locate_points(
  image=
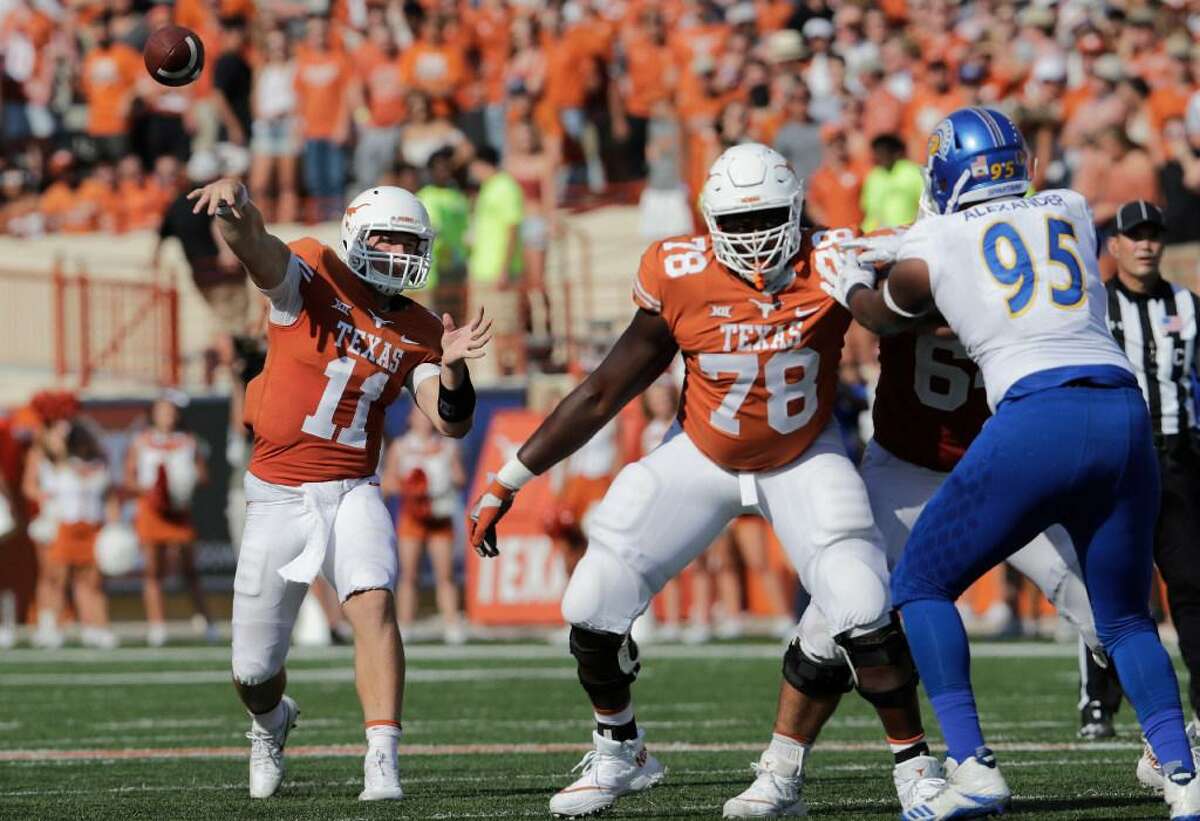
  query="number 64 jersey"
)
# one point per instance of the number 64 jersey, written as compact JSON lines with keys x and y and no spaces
{"x":1017,"y":281}
{"x":334,"y":364}
{"x":760,"y":370}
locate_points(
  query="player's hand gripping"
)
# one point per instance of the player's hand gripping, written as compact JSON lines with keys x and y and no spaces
{"x":845,"y":274}
{"x":225,"y":196}
{"x":485,"y":513}
{"x":880,"y":249}
{"x":467,"y":342}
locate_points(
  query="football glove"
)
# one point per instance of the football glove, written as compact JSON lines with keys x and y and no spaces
{"x":880,"y":249}
{"x":844,"y":275}
{"x":485,"y":513}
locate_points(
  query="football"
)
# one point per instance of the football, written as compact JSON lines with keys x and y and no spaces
{"x":174,"y":55}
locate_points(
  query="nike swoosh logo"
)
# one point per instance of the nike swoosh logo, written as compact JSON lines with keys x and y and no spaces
{"x":801,"y":313}
{"x":408,"y":341}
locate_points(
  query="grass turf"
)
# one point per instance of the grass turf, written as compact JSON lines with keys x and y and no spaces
{"x":513,"y":698}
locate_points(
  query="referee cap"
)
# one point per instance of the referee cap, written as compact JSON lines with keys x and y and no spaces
{"x":1138,"y":212}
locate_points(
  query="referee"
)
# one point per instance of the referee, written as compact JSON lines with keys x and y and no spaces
{"x":1155,"y":322}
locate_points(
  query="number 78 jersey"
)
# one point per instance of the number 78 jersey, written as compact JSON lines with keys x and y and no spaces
{"x":1018,"y":282}
{"x":334,"y":364}
{"x":760,"y":370}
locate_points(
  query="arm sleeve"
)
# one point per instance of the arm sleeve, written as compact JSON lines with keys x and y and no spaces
{"x":426,"y":370}
{"x":286,"y":300}
{"x":647,"y":285}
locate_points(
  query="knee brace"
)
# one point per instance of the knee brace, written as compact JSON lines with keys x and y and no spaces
{"x":814,"y":679}
{"x":883,"y":666}
{"x":608,"y":664}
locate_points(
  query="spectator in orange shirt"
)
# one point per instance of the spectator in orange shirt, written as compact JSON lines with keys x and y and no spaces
{"x":833,"y":191}
{"x":490,"y":29}
{"x":930,"y":103}
{"x":109,"y":81}
{"x":380,"y":71}
{"x":325,"y":87}
{"x":883,"y":113}
{"x":433,"y":65}
{"x":98,"y":195}
{"x":645,"y":74}
{"x":140,"y":200}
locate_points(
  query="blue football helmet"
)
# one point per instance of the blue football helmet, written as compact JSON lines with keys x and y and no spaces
{"x":975,"y":154}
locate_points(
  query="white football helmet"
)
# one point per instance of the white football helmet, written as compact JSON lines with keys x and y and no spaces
{"x":391,"y":209}
{"x":753,"y":177}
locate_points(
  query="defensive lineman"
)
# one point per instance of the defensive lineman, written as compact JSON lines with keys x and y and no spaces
{"x":761,"y":345}
{"x":1017,"y":281}
{"x":343,"y":342}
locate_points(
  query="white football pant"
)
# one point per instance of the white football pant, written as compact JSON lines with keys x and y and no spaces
{"x":360,"y":554}
{"x":899,"y":491}
{"x":663,"y":511}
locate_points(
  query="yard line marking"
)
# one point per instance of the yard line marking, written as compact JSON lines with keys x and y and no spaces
{"x":342,"y":750}
{"x":322,"y":674}
{"x":488,"y":651}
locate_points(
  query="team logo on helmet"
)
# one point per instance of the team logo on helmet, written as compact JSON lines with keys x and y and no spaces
{"x":941,"y":140}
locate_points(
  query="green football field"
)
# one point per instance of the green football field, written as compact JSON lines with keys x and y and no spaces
{"x":492,"y":730}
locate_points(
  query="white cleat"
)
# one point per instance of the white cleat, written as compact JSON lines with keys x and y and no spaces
{"x":99,"y":638}
{"x":775,"y":792}
{"x":973,"y":789}
{"x":1182,"y":792}
{"x":918,"y":779}
{"x":1149,"y":770}
{"x":613,"y":769}
{"x":156,"y":634}
{"x":381,"y":777}
{"x":266,"y":753}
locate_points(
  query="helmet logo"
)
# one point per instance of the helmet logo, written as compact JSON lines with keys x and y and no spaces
{"x":352,"y":209}
{"x":751,"y":199}
{"x":941,"y":141}
{"x":979,"y":167}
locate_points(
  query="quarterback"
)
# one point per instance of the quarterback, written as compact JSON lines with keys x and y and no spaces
{"x":761,"y":344}
{"x":343,"y":341}
{"x":1017,"y":280}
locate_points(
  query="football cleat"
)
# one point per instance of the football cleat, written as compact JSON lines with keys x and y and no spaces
{"x":973,"y":789}
{"x":775,"y":792}
{"x":266,"y":752}
{"x":918,"y":779}
{"x":1149,"y":770}
{"x":1182,"y":792}
{"x":1095,"y":722}
{"x":611,"y":770}
{"x":381,"y":777}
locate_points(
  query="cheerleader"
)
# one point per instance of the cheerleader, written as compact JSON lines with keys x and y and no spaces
{"x":426,"y":472}
{"x":163,"y":466}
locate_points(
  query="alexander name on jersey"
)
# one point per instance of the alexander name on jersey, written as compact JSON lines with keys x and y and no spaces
{"x":1036,"y":201}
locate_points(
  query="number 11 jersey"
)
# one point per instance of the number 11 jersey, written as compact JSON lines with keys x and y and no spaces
{"x":334,"y":364}
{"x":760,"y":370}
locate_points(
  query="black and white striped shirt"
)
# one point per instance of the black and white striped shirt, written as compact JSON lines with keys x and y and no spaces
{"x":1158,"y":332}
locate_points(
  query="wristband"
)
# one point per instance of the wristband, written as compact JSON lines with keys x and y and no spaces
{"x":893,"y":307}
{"x":456,"y":404}
{"x":514,"y":474}
{"x":240,"y":197}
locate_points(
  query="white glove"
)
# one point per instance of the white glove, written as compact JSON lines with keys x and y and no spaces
{"x":845,"y":273}
{"x":877,"y":250}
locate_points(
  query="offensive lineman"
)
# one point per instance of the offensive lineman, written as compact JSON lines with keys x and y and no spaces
{"x":343,"y":341}
{"x":1017,"y":281}
{"x":761,"y":345}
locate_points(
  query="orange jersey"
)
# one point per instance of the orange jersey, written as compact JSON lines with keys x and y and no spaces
{"x":317,"y":408}
{"x":760,"y":371}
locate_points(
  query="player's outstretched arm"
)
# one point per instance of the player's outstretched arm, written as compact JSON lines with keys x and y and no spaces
{"x":241,"y":224}
{"x":902,"y":302}
{"x":636,"y":360}
{"x":449,"y":401}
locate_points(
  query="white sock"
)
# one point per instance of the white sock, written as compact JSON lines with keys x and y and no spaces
{"x":788,"y":749}
{"x":384,"y":736}
{"x":271,"y":720}
{"x":615,"y":719}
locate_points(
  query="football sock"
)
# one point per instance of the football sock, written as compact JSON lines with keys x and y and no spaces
{"x":939,"y":646}
{"x":789,"y":749}
{"x":619,"y":726}
{"x":272,"y":719}
{"x":908,"y":748}
{"x":383,"y":734}
{"x":1150,"y":684}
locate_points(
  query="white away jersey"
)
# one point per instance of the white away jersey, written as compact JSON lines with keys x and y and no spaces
{"x":1017,"y":280}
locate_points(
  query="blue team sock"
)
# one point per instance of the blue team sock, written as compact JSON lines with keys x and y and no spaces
{"x":1149,"y":682}
{"x":939,"y":647}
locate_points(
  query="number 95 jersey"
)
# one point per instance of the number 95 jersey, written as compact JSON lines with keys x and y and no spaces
{"x":334,"y":364}
{"x":760,"y":370}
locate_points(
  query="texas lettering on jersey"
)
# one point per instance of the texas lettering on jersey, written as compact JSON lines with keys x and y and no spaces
{"x":317,"y":408}
{"x":760,"y":369}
